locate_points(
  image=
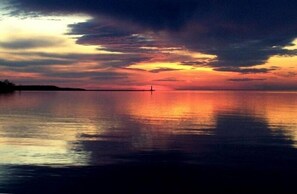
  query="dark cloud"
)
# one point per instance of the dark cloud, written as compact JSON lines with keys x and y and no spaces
{"x":134,"y":69}
{"x":240,"y":33}
{"x":54,"y":59}
{"x":112,"y":36}
{"x":30,"y":43}
{"x":281,"y":87}
{"x":202,"y":62}
{"x":39,"y":62}
{"x":106,"y":59}
{"x":163,"y":70}
{"x":168,"y":79}
{"x":157,"y":14}
{"x":245,"y":70}
{"x":104,"y":75}
{"x":244,"y":79}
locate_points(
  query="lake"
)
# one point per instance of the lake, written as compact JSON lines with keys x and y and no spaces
{"x":143,"y":142}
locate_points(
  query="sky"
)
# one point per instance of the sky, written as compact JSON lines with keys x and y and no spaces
{"x":132,"y":44}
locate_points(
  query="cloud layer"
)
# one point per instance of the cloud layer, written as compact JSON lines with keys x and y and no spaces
{"x":192,"y":44}
{"x":240,"y":33}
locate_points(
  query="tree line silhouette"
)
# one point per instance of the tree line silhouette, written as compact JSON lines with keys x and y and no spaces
{"x":7,"y":86}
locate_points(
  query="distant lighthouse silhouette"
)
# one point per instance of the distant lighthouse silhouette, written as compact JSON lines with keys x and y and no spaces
{"x":152,"y":88}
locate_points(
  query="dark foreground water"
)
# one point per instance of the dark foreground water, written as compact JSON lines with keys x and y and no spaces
{"x":137,"y":142}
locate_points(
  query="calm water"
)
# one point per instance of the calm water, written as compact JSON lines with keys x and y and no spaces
{"x":58,"y":130}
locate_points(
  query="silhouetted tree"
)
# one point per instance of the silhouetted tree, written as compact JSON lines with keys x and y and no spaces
{"x":6,"y":86}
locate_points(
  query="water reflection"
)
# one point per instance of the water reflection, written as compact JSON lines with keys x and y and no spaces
{"x":81,"y":128}
{"x":58,"y":129}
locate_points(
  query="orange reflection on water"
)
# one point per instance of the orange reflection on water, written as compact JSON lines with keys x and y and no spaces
{"x":196,"y":112}
{"x":69,"y":128}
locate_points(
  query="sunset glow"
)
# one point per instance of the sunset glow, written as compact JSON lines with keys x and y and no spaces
{"x":83,"y":49}
{"x":148,"y":96}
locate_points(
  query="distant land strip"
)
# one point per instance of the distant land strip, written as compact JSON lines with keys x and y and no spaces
{"x":120,"y":90}
{"x":55,"y":88}
{"x":45,"y":88}
{"x":7,"y":87}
